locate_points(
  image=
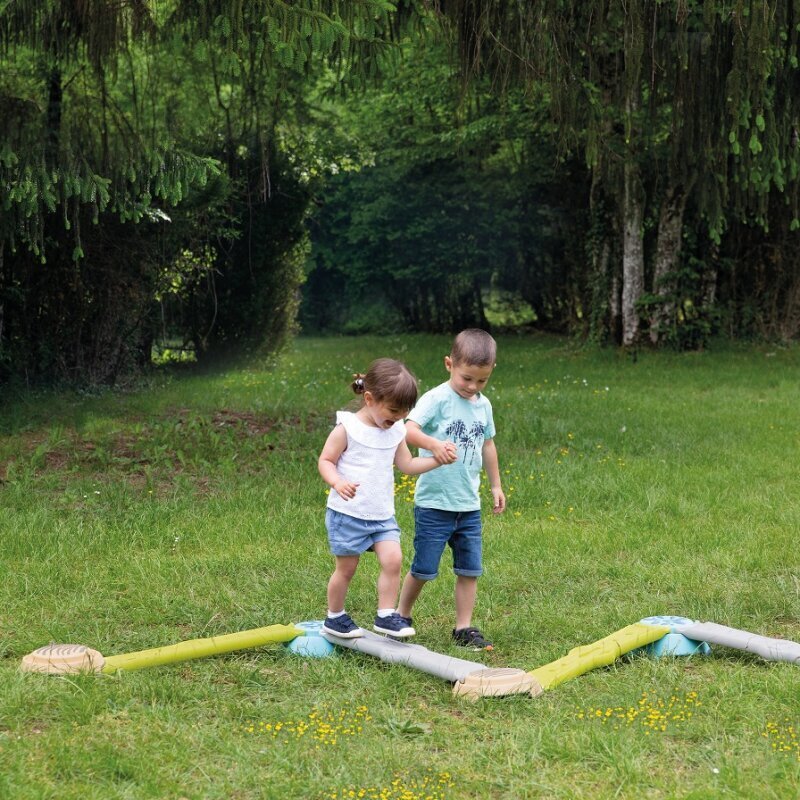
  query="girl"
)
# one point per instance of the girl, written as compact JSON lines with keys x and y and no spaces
{"x":356,"y":462}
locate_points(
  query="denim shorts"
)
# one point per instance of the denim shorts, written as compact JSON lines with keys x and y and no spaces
{"x":350,"y":536}
{"x":433,"y":529}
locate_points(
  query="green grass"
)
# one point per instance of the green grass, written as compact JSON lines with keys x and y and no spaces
{"x":193,"y":508}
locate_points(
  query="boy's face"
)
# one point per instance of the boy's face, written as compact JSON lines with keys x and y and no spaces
{"x":467,"y":380}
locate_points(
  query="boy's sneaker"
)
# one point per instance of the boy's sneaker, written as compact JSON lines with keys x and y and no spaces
{"x":471,"y":638}
{"x":394,"y":625}
{"x":341,"y":626}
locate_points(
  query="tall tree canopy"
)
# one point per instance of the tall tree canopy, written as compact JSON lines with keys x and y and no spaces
{"x":628,"y":169}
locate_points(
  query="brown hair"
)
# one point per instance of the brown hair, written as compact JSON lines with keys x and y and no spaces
{"x":474,"y":347}
{"x":388,"y":381}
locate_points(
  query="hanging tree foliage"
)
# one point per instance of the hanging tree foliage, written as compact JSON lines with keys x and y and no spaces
{"x":673,"y":103}
{"x":100,"y":126}
{"x":66,"y":143}
{"x":117,"y":153}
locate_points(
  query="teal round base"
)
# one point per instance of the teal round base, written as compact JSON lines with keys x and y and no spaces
{"x":673,"y":644}
{"x":312,"y":645}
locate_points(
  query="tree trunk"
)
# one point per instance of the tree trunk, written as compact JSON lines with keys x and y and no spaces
{"x":633,"y":194}
{"x":632,"y":254}
{"x":668,"y":249}
{"x":54,"y":99}
{"x":615,"y":308}
{"x":709,"y":296}
{"x":3,"y":284}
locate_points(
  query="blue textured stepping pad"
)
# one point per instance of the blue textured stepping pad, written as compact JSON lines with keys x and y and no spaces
{"x":674,"y":643}
{"x":312,"y":645}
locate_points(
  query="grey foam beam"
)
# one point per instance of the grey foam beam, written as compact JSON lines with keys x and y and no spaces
{"x":764,"y":646}
{"x":411,"y":655}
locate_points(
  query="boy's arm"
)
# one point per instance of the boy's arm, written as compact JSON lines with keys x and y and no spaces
{"x":492,"y":467}
{"x":411,"y":465}
{"x":332,"y":450}
{"x":444,"y":452}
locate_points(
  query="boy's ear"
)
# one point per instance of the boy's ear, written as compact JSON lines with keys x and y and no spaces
{"x":448,"y":363}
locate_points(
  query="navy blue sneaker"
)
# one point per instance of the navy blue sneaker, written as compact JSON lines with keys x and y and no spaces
{"x":394,"y":625}
{"x":341,"y":626}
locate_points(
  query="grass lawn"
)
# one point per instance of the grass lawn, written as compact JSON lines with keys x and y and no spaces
{"x":194,"y":508}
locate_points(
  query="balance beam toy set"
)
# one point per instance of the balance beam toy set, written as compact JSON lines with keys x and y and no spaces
{"x":470,"y":679}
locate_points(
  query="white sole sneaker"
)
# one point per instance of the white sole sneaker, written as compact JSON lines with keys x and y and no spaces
{"x":403,"y":633}
{"x":351,"y":635}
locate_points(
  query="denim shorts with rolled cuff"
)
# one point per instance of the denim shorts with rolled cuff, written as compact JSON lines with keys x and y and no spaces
{"x":350,"y":536}
{"x":434,"y":529}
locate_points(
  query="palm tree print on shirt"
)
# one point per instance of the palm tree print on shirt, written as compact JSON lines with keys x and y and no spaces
{"x":466,"y":439}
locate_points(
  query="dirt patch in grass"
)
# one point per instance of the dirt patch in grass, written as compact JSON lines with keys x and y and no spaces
{"x":246,"y":422}
{"x":254,"y":424}
{"x":179,"y":443}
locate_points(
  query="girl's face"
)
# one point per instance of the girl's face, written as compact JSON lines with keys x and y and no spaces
{"x":379,"y":413}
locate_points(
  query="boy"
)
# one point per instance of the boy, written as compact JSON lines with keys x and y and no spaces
{"x":446,"y":502}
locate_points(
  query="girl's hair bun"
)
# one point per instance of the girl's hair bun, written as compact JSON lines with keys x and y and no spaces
{"x":388,"y":381}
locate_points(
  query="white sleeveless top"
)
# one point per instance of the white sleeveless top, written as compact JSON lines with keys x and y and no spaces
{"x":368,"y":461}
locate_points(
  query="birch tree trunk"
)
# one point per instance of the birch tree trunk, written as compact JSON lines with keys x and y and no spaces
{"x":632,"y":254}
{"x":668,"y":249}
{"x":633,"y":194}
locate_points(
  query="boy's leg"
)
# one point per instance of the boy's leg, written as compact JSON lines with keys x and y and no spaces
{"x":432,"y":529}
{"x":467,"y":544}
{"x":340,"y":581}
{"x":390,"y":558}
{"x":466,"y":592}
{"x":408,"y":595}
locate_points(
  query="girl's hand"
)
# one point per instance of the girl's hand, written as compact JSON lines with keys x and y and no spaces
{"x":345,"y":489}
{"x":444,"y":452}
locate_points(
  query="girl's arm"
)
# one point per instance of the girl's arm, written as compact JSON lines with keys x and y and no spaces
{"x":492,"y":467}
{"x":335,"y":445}
{"x":443,"y":451}
{"x":412,"y":465}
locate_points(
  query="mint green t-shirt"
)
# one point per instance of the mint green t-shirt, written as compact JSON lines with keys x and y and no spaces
{"x":444,"y":414}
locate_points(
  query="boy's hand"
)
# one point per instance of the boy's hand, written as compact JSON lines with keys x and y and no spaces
{"x":499,"y":501}
{"x":345,"y":489}
{"x":444,"y":452}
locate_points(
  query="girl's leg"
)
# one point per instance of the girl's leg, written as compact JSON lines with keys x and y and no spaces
{"x":390,"y":558}
{"x":340,"y":580}
{"x":408,"y":596}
